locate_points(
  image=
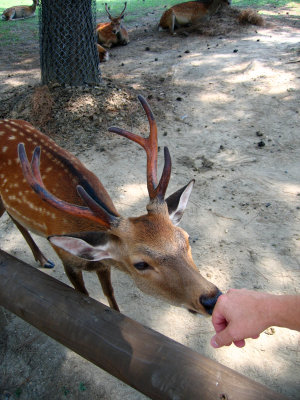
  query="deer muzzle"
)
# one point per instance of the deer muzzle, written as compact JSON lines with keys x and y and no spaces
{"x":209,"y":302}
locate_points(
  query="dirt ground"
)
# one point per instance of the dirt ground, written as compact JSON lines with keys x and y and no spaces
{"x":226,"y":101}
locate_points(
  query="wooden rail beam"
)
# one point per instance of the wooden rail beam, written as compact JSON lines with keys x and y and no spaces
{"x":144,"y":359}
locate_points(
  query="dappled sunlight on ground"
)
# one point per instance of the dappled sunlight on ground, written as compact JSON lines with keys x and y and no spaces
{"x":81,"y":102}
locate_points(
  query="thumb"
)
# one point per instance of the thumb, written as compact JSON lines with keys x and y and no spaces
{"x":222,"y":338}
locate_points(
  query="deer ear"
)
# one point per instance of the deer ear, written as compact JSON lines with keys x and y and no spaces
{"x":92,"y":246}
{"x":177,"y":202}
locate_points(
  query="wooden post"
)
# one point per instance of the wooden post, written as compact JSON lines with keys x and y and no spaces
{"x":144,"y":359}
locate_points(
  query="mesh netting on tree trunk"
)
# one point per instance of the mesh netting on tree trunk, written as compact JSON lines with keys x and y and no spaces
{"x":68,"y":53}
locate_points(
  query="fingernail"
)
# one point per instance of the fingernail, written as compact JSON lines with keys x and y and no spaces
{"x":213,"y":343}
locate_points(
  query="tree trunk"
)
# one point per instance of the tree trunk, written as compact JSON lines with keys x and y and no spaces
{"x":67,"y":42}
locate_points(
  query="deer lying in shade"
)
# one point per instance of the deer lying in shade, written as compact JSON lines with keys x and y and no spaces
{"x":189,"y":13}
{"x":20,"y":12}
{"x":55,"y":196}
{"x":112,"y":33}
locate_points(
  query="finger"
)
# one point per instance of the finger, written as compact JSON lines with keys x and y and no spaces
{"x":226,"y":336}
{"x":239,"y":343}
{"x":213,"y":343}
{"x":219,"y":321}
{"x":255,"y":337}
{"x":221,"y":339}
{"x":220,"y":326}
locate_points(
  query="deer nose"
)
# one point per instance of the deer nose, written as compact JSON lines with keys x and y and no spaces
{"x":209,"y":302}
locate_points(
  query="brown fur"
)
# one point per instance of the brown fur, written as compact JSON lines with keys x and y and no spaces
{"x":103,"y":53}
{"x":20,"y":12}
{"x":98,"y":243}
{"x":189,"y":13}
{"x":112,"y":33}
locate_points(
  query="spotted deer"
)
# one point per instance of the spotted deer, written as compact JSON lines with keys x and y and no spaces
{"x":189,"y":13}
{"x":112,"y":33}
{"x":20,"y":12}
{"x":55,"y":196}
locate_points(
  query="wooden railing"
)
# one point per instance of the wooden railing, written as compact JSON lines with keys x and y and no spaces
{"x":151,"y":363}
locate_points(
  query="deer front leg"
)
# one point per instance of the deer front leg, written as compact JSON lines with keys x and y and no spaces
{"x":105,"y":280}
{"x":76,"y":278}
{"x":173,"y":23}
{"x":38,"y":255}
{"x":12,"y":15}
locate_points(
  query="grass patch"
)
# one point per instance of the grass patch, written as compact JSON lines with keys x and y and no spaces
{"x":19,"y":31}
{"x":134,"y":7}
{"x":22,"y":31}
{"x":262,"y":3}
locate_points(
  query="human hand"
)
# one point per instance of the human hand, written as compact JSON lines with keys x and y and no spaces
{"x":240,"y":314}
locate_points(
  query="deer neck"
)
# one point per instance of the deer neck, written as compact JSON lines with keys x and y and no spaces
{"x":34,"y":4}
{"x":120,"y":34}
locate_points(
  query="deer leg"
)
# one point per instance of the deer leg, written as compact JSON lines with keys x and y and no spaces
{"x":38,"y":255}
{"x":2,"y":208}
{"x":105,"y":280}
{"x":76,"y":278}
{"x":12,"y":15}
{"x":173,"y":20}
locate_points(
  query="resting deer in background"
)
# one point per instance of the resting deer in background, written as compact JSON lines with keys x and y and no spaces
{"x":189,"y":13}
{"x":19,"y":12}
{"x":84,"y":227}
{"x":112,"y":33}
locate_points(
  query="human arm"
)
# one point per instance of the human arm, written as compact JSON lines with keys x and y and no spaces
{"x":242,"y":313}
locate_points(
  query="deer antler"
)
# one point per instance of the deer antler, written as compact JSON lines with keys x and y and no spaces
{"x":149,"y":144}
{"x":93,"y":212}
{"x":122,"y":13}
{"x":106,"y":9}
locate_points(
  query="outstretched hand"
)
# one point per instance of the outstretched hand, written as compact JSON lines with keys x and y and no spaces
{"x":239,"y":314}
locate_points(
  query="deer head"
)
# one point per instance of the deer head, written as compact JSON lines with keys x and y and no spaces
{"x":151,"y":248}
{"x":116,"y":21}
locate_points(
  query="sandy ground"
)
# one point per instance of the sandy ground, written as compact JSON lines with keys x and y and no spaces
{"x":227,"y":106}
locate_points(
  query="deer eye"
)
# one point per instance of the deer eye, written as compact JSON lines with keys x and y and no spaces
{"x":141,"y":266}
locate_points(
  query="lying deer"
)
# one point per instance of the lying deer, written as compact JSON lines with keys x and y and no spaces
{"x":84,"y":227}
{"x":19,"y":12}
{"x":189,"y":13}
{"x":112,"y":33}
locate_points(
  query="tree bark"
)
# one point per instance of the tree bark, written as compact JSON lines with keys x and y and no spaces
{"x":68,"y":52}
